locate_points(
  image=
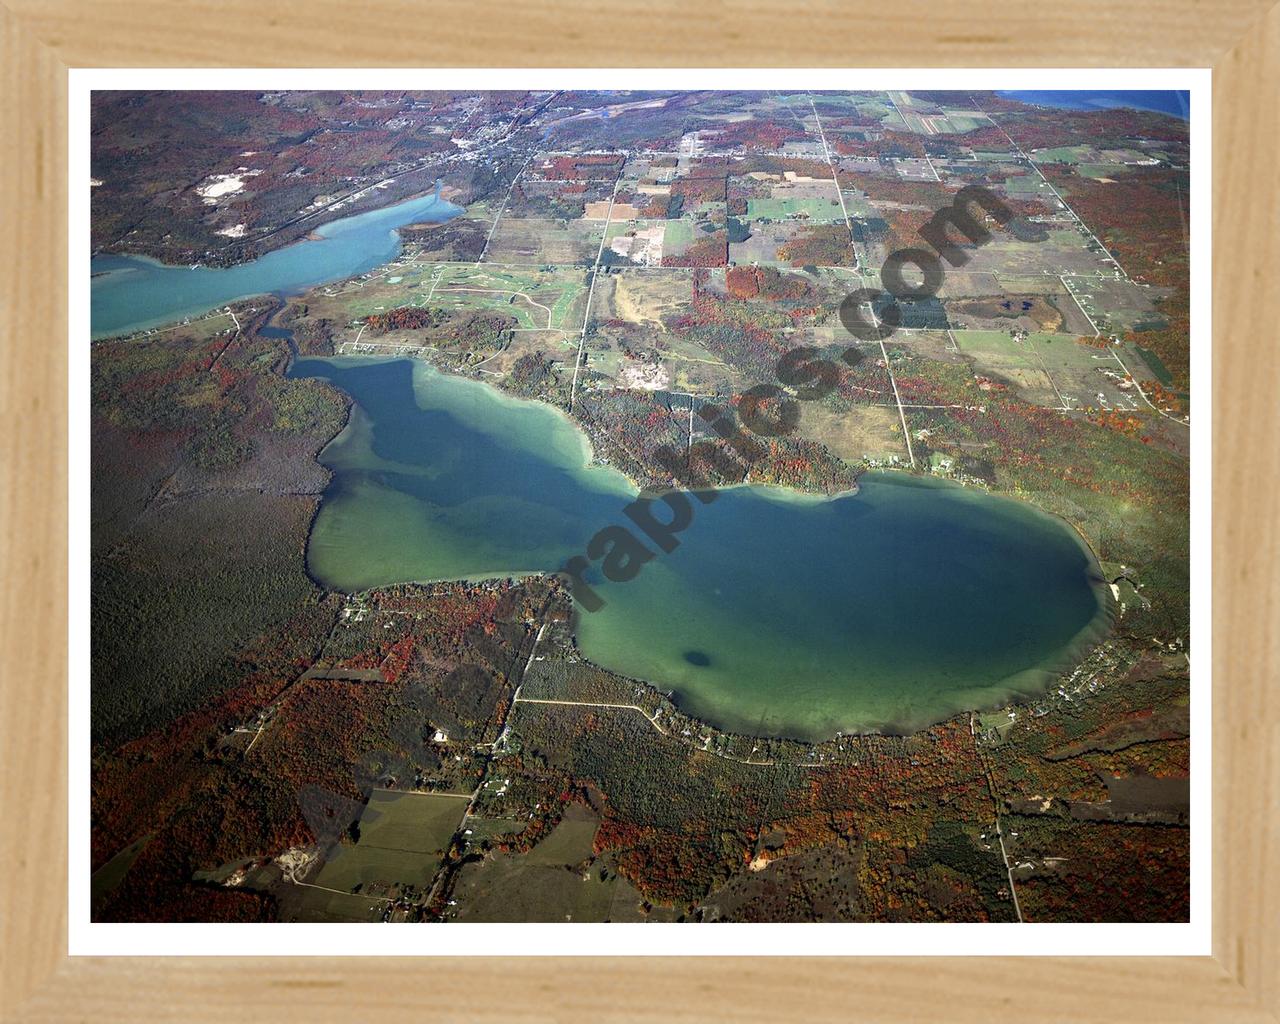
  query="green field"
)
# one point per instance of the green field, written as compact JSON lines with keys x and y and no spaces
{"x":781,"y":209}
{"x":493,"y":828}
{"x":1067,"y":238}
{"x":1062,"y":155}
{"x":570,"y":841}
{"x":535,"y":297}
{"x":505,"y":888}
{"x":403,"y":837}
{"x":965,"y":121}
{"x":872,"y":106}
{"x":680,"y":234}
{"x":1050,"y":369}
{"x":1100,"y":170}
{"x":547,"y":883}
{"x":923,"y":121}
{"x":996,"y":349}
{"x":857,"y":204}
{"x":1062,"y":350}
{"x":1023,"y":184}
{"x":318,"y":905}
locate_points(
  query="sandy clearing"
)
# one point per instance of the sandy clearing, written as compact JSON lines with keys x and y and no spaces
{"x":221,"y":185}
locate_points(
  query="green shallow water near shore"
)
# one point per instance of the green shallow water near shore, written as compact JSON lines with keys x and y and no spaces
{"x":781,"y":614}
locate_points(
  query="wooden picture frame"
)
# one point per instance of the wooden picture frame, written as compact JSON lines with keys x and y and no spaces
{"x":1240,"y":39}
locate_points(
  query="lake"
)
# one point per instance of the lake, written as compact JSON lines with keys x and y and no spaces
{"x":1162,"y":101}
{"x":132,"y":293}
{"x":778,"y":614}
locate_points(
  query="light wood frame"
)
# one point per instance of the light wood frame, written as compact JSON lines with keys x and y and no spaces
{"x":41,"y":39}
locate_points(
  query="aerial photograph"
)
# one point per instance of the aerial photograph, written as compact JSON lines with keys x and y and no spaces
{"x":610,"y":506}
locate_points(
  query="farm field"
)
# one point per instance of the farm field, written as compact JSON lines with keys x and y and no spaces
{"x":815,"y":209}
{"x":1056,"y":371}
{"x":403,"y":837}
{"x":539,"y":298}
{"x":559,"y":879}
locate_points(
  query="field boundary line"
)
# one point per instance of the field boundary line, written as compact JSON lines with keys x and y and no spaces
{"x":595,"y":273}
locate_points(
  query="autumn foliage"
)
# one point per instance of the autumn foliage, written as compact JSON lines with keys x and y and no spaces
{"x":405,"y":318}
{"x":764,"y":283}
{"x":712,"y":251}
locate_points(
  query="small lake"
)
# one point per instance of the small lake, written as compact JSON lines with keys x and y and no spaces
{"x":780,"y":614}
{"x":131,"y":293}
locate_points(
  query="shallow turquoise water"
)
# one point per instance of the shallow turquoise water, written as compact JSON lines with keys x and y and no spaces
{"x":131,"y":293}
{"x":778,"y":614}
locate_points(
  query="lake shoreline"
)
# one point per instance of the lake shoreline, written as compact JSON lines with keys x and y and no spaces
{"x":376,"y":540}
{"x":130,"y":293}
{"x":1010,"y":691}
{"x":245,"y":254}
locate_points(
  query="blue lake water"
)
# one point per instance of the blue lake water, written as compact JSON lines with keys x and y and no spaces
{"x":1169,"y":101}
{"x":132,"y":293}
{"x":778,"y":614}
